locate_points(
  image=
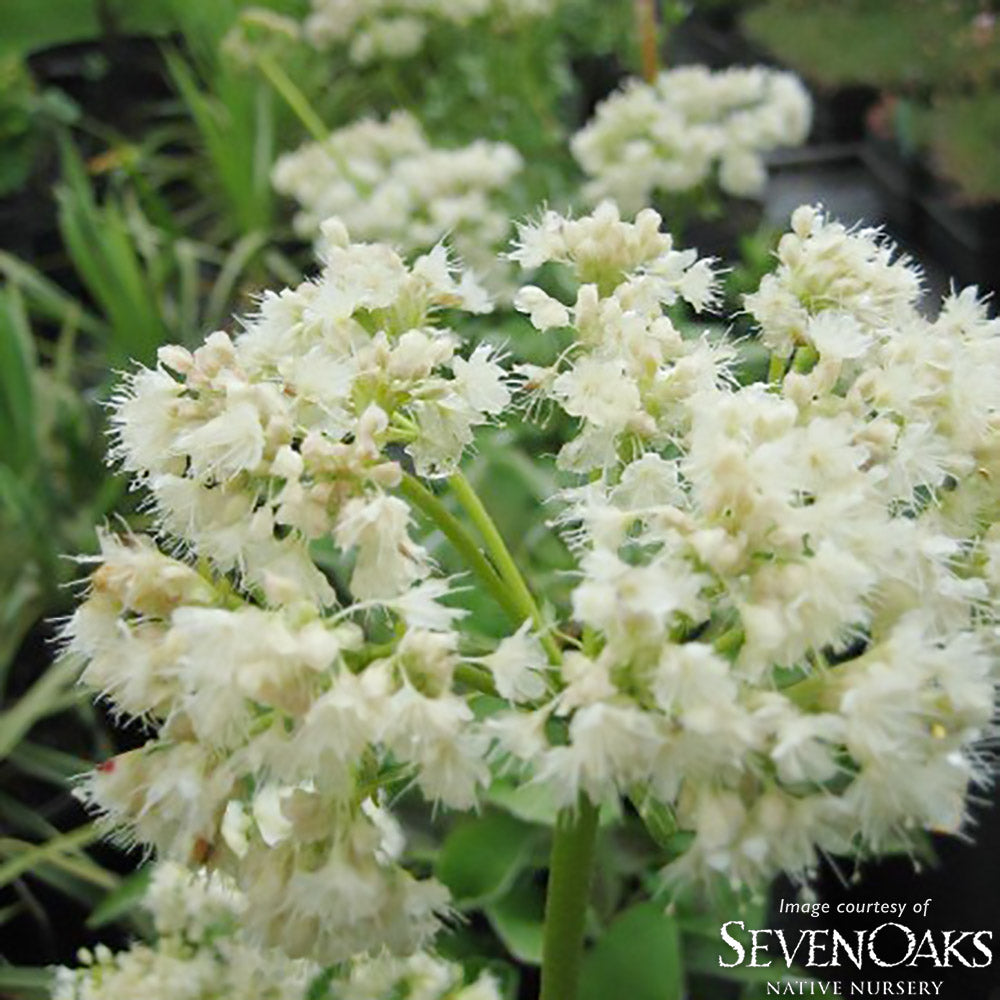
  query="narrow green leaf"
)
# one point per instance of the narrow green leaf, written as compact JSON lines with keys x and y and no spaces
{"x":47,"y":297}
{"x":64,"y":851}
{"x":122,"y":900}
{"x":45,"y":696}
{"x":25,"y":983}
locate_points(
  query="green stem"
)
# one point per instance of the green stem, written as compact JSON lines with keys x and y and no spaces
{"x":570,"y":871}
{"x":649,"y":43}
{"x":504,"y":561}
{"x":476,"y":678}
{"x":464,"y":542}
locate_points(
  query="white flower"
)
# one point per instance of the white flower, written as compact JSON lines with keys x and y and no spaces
{"x":387,"y":563}
{"x":690,"y":125}
{"x":545,"y":311}
{"x":517,"y":665}
{"x":482,"y":381}
{"x":386,"y":182}
{"x":396,"y":29}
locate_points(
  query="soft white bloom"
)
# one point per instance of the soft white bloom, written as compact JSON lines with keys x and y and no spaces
{"x":518,"y":665}
{"x":387,"y":561}
{"x":396,"y":29}
{"x":689,"y":126}
{"x":200,"y":953}
{"x":786,"y":591}
{"x":387,"y":182}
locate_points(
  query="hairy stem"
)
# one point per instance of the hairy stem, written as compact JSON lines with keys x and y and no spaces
{"x":570,"y":871}
{"x":504,"y":561}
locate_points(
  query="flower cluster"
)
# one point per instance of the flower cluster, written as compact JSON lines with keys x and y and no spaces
{"x":691,"y":126}
{"x":271,"y":747}
{"x":388,"y":183}
{"x":787,"y":594}
{"x":630,"y":366}
{"x":199,"y":954}
{"x":782,"y":631}
{"x":397,"y":29}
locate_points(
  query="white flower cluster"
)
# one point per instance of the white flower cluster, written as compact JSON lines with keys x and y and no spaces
{"x":783,"y":632}
{"x":787,"y":591}
{"x":690,"y":126}
{"x":630,"y":367}
{"x":389,"y":184}
{"x":271,"y":748}
{"x":199,"y":954}
{"x":397,"y":29}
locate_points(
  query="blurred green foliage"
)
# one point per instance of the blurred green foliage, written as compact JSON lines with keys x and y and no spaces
{"x":892,"y":44}
{"x":941,"y":58}
{"x":963,"y":133}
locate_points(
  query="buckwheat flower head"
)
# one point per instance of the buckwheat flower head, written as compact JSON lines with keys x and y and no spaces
{"x":375,"y":30}
{"x":629,"y":366}
{"x":387,"y":182}
{"x":787,"y":590}
{"x":690,"y":126}
{"x":275,"y":725}
{"x":781,"y":630}
{"x":199,"y":952}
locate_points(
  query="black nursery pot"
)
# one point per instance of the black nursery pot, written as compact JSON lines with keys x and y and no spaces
{"x":840,"y":113}
{"x":900,"y":181}
{"x":965,"y":237}
{"x":715,"y":39}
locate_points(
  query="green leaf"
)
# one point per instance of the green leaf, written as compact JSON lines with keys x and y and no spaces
{"x":481,"y":857}
{"x":702,"y":956}
{"x":638,"y":957}
{"x":25,"y":983}
{"x":64,"y":852}
{"x":530,"y":803}
{"x":48,"y":763}
{"x":47,"y":297}
{"x":46,"y":696}
{"x":518,"y":919}
{"x":19,"y":447}
{"x":121,"y":900}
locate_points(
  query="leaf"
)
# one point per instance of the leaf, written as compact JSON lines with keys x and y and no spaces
{"x":48,"y":298}
{"x":46,"y":696}
{"x":48,"y":763}
{"x":702,"y":956}
{"x":19,"y":447}
{"x":518,"y":919}
{"x":528,"y":802}
{"x":638,"y":957}
{"x":480,"y":858}
{"x":24,"y":982}
{"x":121,"y":900}
{"x":64,"y":851}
